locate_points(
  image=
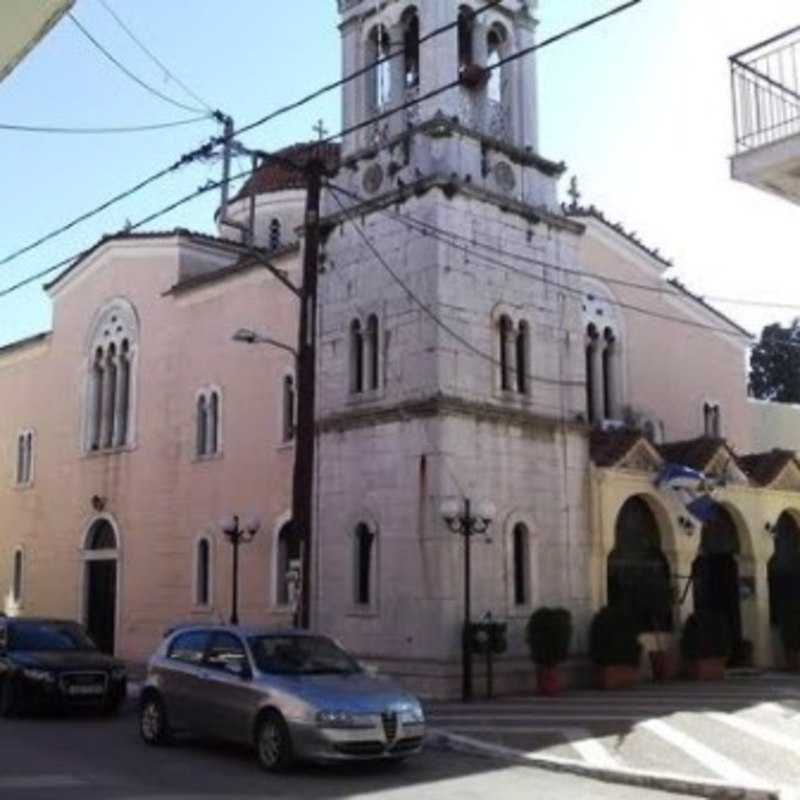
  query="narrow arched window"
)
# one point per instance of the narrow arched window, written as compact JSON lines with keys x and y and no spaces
{"x":521,"y":561}
{"x":288,"y":408}
{"x":410,"y":23}
{"x":96,"y":400}
{"x":592,"y":337}
{"x":506,"y":335}
{"x":123,"y":394}
{"x":523,"y":357}
{"x":379,"y":77}
{"x":274,"y":234}
{"x":356,"y":357}
{"x":213,"y":424}
{"x":203,"y":573}
{"x":202,"y":425}
{"x":609,"y":376}
{"x":363,"y":564}
{"x":16,"y":578}
{"x":494,"y":44}
{"x":21,"y":458}
{"x":110,"y":399}
{"x":373,"y":352}
{"x":466,"y":28}
{"x":287,"y":563}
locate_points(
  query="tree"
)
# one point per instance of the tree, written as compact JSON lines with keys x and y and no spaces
{"x":775,"y":364}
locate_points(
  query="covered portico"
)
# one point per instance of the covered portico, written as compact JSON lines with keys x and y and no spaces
{"x":651,"y":557}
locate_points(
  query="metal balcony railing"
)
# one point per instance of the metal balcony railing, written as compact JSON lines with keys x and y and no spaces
{"x":765,"y":80}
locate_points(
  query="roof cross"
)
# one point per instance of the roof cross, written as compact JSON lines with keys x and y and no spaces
{"x":573,"y":192}
{"x":319,"y":129}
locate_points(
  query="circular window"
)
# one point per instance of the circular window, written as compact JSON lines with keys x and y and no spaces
{"x":373,"y":178}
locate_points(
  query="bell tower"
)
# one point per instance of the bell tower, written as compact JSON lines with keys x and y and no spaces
{"x":496,"y":101}
{"x":450,"y":346}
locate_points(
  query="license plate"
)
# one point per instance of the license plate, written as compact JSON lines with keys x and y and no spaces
{"x":84,"y":690}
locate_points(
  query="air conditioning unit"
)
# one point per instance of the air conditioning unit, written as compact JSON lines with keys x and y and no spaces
{"x":612,"y":425}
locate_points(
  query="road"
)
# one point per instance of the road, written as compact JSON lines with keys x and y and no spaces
{"x":743,"y":730}
{"x":97,"y":758}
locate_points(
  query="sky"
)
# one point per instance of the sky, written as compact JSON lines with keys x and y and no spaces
{"x":638,"y":107}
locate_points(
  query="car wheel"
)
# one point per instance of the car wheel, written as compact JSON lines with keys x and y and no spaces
{"x":273,"y":743}
{"x":153,"y":723}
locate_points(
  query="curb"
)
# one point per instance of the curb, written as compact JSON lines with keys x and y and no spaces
{"x":666,"y":782}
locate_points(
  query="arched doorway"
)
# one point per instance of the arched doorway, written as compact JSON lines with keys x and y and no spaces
{"x":100,"y":582}
{"x":638,"y":572}
{"x":784,"y":569}
{"x":715,"y":575}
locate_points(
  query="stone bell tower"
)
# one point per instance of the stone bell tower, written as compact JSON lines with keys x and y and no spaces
{"x":450,"y":351}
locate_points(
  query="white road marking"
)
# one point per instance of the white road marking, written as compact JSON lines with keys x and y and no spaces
{"x":711,"y":759}
{"x":439,"y":719}
{"x":769,"y":735}
{"x":39,"y":781}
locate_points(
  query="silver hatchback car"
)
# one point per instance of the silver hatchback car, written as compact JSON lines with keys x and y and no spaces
{"x":291,"y":694}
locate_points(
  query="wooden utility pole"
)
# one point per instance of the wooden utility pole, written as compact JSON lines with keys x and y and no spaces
{"x":303,"y":478}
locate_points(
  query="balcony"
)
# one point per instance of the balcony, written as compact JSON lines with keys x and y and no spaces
{"x":765,"y":80}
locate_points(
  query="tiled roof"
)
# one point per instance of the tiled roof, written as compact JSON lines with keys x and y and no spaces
{"x":698,"y":299}
{"x":20,"y":343}
{"x":694,"y":453}
{"x":276,"y":175}
{"x":608,"y":448}
{"x":763,"y":468}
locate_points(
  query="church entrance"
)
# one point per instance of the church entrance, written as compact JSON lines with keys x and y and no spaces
{"x":100,"y":575}
{"x":715,"y":576}
{"x":784,"y":570}
{"x":638,"y":572}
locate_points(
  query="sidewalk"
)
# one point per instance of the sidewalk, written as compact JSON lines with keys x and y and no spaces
{"x":736,"y":738}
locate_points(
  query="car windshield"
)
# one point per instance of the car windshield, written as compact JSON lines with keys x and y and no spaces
{"x":41,"y":636}
{"x":301,"y":655}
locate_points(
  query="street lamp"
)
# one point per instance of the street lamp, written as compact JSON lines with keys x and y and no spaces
{"x":246,"y":336}
{"x":467,"y":524}
{"x":237,"y":535}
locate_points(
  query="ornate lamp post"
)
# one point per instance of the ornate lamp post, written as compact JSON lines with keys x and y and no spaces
{"x":467,"y":524}
{"x":237,"y":535}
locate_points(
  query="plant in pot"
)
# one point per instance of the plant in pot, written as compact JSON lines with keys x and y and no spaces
{"x":614,"y":647}
{"x":548,"y":633}
{"x":706,"y":646}
{"x":790,"y":635}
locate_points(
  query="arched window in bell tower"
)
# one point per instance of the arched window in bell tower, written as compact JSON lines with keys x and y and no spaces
{"x":466,"y":30}
{"x":410,"y":25}
{"x":379,"y":78}
{"x":494,"y":44}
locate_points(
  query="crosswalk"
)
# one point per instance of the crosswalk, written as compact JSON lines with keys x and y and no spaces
{"x":744,"y":730}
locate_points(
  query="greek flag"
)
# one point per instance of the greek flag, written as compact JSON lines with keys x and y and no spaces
{"x":690,"y":488}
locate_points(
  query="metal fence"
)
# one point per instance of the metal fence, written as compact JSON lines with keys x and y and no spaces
{"x":765,"y":80}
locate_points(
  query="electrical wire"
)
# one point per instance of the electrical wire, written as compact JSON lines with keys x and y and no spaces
{"x":127,"y":72}
{"x":5,"y":126}
{"x":154,"y":58}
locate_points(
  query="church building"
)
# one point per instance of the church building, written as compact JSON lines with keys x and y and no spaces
{"x":482,"y":347}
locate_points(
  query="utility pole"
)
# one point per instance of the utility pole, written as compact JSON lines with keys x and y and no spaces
{"x":303,"y":478}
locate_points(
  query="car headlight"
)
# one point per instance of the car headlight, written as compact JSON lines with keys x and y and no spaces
{"x":39,"y":675}
{"x":119,"y":673}
{"x":341,"y":719}
{"x":411,"y":712}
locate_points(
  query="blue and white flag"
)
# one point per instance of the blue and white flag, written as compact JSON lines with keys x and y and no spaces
{"x":691,"y":488}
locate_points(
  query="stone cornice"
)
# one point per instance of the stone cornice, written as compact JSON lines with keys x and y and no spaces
{"x":443,"y":406}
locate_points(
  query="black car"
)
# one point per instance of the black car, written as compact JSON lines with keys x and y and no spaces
{"x":53,"y":664}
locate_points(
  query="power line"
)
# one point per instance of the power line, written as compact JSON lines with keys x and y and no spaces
{"x":187,"y":158}
{"x":292,"y":164}
{"x":431,"y":313}
{"x":5,"y":126}
{"x":127,"y":72}
{"x":154,"y":58}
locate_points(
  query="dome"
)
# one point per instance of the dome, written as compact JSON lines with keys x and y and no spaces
{"x":276,"y":176}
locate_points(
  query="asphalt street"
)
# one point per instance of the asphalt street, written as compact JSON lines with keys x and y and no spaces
{"x":743,"y":730}
{"x":97,"y":758}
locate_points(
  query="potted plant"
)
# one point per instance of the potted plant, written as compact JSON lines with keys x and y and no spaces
{"x":548,"y":633}
{"x":790,"y":635}
{"x":614,"y":647}
{"x":706,"y":646}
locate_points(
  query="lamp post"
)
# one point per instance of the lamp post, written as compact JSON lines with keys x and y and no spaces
{"x":237,"y":535}
{"x":467,"y":524}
